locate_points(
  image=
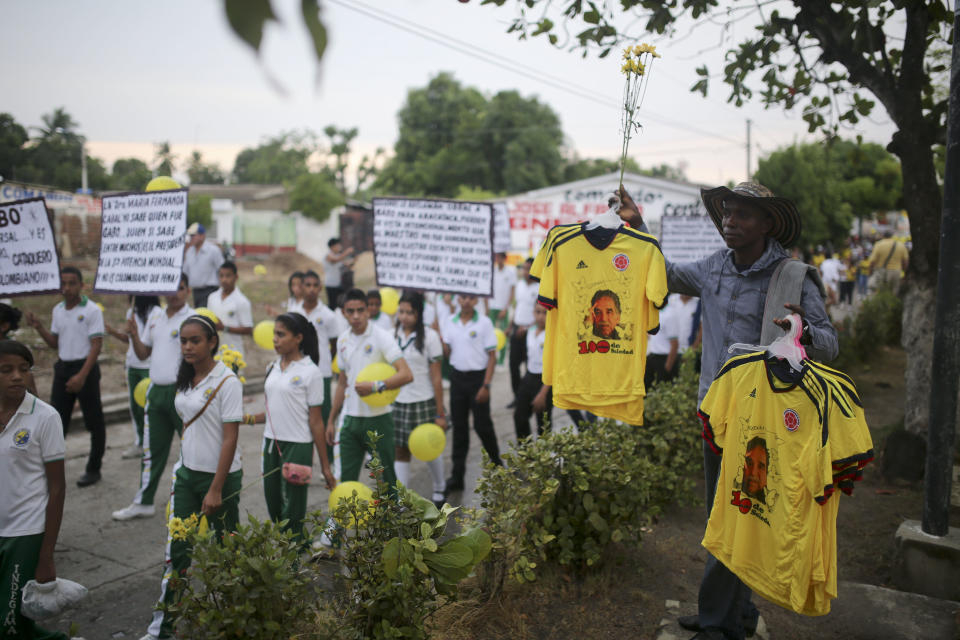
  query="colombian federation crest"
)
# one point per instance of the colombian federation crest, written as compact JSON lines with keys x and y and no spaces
{"x":791,"y":420}
{"x":621,"y":262}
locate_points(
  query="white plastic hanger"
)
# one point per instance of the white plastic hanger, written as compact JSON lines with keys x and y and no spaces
{"x":785,"y":347}
{"x":608,"y":220}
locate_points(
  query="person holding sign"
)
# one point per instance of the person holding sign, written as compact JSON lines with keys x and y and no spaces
{"x":361,"y":345}
{"x":201,"y":261}
{"x":137,"y":369}
{"x":471,"y":345}
{"x":160,"y":342}
{"x":76,"y":332}
{"x":232,"y":308}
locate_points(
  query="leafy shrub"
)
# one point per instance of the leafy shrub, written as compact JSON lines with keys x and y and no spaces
{"x":250,"y":585}
{"x":878,"y":322}
{"x":566,"y":497}
{"x":395,"y":563}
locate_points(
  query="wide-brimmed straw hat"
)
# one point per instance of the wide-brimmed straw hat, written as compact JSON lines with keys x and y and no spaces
{"x":786,"y":218}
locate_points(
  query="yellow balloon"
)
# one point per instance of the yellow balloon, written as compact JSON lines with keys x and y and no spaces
{"x":427,"y":441}
{"x":373,"y":372}
{"x":389,"y":298}
{"x":100,"y":306}
{"x":335,"y":366}
{"x":501,"y":339}
{"x":260,"y":270}
{"x":263,"y":334}
{"x":162,"y":183}
{"x":206,"y":313}
{"x":345,"y":490}
{"x":140,"y":392}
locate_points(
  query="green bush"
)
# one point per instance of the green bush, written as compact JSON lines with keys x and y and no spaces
{"x":249,"y":585}
{"x":566,"y":497}
{"x":878,"y":322}
{"x":395,"y":563}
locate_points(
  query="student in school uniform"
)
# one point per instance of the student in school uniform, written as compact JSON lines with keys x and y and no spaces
{"x":293,"y":397}
{"x":357,"y":347}
{"x":471,"y":346}
{"x":208,"y":476}
{"x":378,"y":317}
{"x":421,"y":401}
{"x":525,"y":297}
{"x":533,"y":396}
{"x":9,"y":323}
{"x":160,"y":342}
{"x":31,"y":503}
{"x":137,"y":368}
{"x":232,"y":308}
{"x":76,"y":332}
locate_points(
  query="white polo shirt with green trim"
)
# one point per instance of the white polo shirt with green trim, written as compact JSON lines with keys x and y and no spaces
{"x":75,"y":327}
{"x":163,"y":337}
{"x":289,"y":394}
{"x":202,"y":440}
{"x":354,"y":352}
{"x":32,"y":438}
{"x":470,"y":342}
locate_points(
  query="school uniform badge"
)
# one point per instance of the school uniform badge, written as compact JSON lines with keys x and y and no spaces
{"x":295,"y":380}
{"x":21,"y":438}
{"x":368,"y":348}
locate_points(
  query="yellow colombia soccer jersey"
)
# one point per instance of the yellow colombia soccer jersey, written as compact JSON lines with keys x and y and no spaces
{"x":788,"y":444}
{"x":604,"y":287}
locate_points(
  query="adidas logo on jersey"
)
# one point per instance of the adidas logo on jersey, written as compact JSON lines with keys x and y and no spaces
{"x":582,"y":265}
{"x":752,"y":394}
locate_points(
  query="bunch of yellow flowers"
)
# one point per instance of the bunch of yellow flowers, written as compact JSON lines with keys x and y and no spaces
{"x":232,"y":358}
{"x":638,"y":61}
{"x":181,"y":528}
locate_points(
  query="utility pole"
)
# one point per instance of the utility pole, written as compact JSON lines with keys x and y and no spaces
{"x":946,"y":337}
{"x":83,"y":167}
{"x":749,"y":150}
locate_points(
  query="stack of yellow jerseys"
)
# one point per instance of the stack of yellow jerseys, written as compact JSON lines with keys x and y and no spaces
{"x":788,"y":444}
{"x":603,"y":288}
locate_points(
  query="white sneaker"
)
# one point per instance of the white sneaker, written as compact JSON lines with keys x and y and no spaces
{"x":134,"y":511}
{"x":133,"y":451}
{"x":149,"y":636}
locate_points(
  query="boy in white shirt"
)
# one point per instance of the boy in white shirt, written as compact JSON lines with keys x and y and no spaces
{"x":361,"y":345}
{"x":532,"y":395}
{"x":378,"y":317}
{"x":232,"y":308}
{"x":76,"y":332}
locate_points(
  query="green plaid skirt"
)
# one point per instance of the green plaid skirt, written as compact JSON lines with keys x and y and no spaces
{"x":409,"y":415}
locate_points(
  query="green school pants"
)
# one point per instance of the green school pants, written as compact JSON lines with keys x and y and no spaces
{"x":134,"y":376}
{"x":161,"y":423}
{"x":354,"y":444}
{"x":285,"y":501}
{"x":18,"y":564}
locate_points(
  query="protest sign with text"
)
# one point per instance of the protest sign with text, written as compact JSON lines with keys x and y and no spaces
{"x":141,"y":242}
{"x":434,"y":245}
{"x":28,"y":251}
{"x":686,"y":238}
{"x":501,"y":228}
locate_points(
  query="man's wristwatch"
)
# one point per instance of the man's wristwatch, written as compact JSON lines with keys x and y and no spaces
{"x":379,"y":386}
{"x":486,"y":385}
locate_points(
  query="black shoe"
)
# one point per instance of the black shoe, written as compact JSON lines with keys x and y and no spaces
{"x":88,"y":479}
{"x":513,"y":403}
{"x":708,"y":635}
{"x":692,"y":623}
{"x":451,"y":488}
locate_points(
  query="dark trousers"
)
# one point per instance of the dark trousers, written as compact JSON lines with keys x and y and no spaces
{"x":724,"y":601}
{"x":581,"y":419}
{"x":200,"y":295}
{"x":529,"y":388}
{"x":518,"y":355}
{"x":657,"y":369}
{"x":89,"y":397}
{"x":333,"y":296}
{"x":464,"y":386}
{"x":846,"y":291}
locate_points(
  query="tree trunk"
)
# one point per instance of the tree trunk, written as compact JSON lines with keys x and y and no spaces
{"x":919,"y":302}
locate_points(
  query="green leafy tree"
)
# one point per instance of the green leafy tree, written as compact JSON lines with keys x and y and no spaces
{"x":315,"y":195}
{"x":201,"y":172}
{"x":277,"y":160}
{"x":832,"y":61}
{"x":12,"y":154}
{"x":130,"y":174}
{"x":54,"y":157}
{"x":98,"y":178}
{"x":340,"y":140}
{"x":164,"y":158}
{"x":200,"y":209}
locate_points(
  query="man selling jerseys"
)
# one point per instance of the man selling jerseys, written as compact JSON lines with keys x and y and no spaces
{"x":733,"y":286}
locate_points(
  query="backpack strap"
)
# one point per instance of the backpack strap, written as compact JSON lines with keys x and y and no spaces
{"x":890,"y":255}
{"x":786,"y":287}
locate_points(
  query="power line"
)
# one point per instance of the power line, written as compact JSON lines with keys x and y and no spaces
{"x":507,"y":64}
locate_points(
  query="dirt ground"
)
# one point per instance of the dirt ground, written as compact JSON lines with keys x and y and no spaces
{"x":627,"y":599}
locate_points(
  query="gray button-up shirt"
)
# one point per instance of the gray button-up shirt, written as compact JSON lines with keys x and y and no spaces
{"x":732,"y":305}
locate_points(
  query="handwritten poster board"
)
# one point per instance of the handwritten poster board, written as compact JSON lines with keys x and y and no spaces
{"x":689,"y":238}
{"x":501,"y":228}
{"x":141,"y":242}
{"x":434,"y":245}
{"x":28,"y":251}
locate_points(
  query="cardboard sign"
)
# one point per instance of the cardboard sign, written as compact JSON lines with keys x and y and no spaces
{"x":434,"y":245}
{"x":141,"y":242}
{"x":689,"y":238}
{"x":28,"y":251}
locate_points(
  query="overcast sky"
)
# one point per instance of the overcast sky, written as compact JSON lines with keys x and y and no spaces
{"x":135,"y":73}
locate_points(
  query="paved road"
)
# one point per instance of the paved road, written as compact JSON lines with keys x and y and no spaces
{"x":121,"y":562}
